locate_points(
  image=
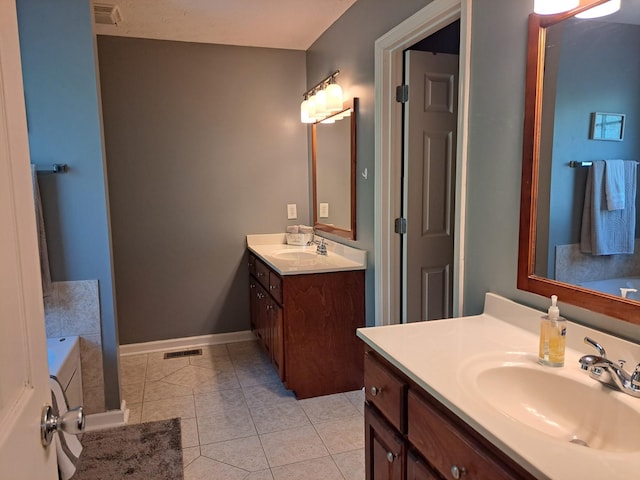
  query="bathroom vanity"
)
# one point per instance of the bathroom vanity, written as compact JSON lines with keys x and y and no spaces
{"x":305,"y":309}
{"x":466,"y":398}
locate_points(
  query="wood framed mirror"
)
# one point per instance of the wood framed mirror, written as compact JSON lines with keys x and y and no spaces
{"x":537,"y":252}
{"x":333,"y":147}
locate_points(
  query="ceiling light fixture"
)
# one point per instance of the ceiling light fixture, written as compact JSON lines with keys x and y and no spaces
{"x":549,"y":7}
{"x":601,"y":10}
{"x":322,"y":100}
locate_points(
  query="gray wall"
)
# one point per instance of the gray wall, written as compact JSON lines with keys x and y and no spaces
{"x":62,"y":101}
{"x":497,"y":75}
{"x":204,"y":146}
{"x":348,"y":46}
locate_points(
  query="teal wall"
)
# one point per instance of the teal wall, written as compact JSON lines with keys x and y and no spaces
{"x":64,"y":121}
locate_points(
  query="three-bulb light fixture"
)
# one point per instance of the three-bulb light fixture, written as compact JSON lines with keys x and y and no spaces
{"x":323,"y":102}
{"x":549,"y":7}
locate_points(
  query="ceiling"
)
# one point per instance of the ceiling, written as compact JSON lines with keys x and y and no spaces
{"x":289,"y":24}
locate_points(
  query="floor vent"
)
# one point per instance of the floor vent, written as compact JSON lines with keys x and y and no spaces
{"x":183,"y":353}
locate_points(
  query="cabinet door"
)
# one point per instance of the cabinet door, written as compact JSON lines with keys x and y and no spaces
{"x":417,"y":469}
{"x":253,"y":308}
{"x":384,"y":449}
{"x":277,"y":346}
{"x":261,"y":298}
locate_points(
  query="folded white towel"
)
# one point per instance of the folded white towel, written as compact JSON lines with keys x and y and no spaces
{"x":306,"y":229}
{"x":614,"y":184}
{"x":68,"y":447}
{"x":293,"y":229}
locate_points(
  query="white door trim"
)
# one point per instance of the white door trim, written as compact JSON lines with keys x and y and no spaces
{"x":388,"y":140}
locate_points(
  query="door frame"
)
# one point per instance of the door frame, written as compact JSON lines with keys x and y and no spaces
{"x":388,"y":134}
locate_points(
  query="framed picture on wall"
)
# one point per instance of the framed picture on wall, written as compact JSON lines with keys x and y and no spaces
{"x":607,"y":126}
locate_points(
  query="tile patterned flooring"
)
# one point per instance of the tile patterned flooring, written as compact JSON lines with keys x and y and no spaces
{"x":240,"y":422}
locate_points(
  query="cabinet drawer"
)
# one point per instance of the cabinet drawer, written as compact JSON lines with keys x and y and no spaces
{"x":448,"y":448}
{"x":385,"y":390}
{"x":262,"y":273}
{"x":275,"y":286}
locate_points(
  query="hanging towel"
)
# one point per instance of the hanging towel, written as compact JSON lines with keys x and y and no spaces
{"x":68,"y":447}
{"x":614,"y":184}
{"x":606,"y":232}
{"x":45,"y":272}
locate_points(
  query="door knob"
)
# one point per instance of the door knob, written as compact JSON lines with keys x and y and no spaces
{"x":72,"y":421}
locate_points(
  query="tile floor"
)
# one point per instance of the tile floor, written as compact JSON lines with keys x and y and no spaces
{"x":239,"y":421}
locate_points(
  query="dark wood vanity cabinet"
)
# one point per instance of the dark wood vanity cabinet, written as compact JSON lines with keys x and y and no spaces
{"x":419,"y":438}
{"x":307,"y":325}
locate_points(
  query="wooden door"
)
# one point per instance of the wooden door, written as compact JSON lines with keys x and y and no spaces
{"x":431,"y":117}
{"x":24,"y":377}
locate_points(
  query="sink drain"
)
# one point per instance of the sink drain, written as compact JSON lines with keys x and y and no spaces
{"x":578,"y":441}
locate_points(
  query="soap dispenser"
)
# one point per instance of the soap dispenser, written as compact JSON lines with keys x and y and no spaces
{"x":553,"y":330}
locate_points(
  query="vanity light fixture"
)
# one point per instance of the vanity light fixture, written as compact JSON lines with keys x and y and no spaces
{"x":548,"y":7}
{"x":612,"y":6}
{"x":322,"y":100}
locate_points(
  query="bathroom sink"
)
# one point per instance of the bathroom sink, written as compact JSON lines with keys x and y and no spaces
{"x":298,"y":257}
{"x":563,"y":408}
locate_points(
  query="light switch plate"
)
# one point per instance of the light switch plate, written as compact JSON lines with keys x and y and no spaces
{"x":292,"y":211}
{"x":324,"y":210}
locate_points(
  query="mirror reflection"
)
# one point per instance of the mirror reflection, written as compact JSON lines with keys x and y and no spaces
{"x":591,"y":67}
{"x":575,"y":69}
{"x":334,"y":163}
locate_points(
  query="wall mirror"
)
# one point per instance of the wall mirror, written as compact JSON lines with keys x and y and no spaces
{"x":576,"y":67}
{"x":333,"y":146}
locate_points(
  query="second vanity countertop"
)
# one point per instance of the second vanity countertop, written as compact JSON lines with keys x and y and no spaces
{"x":295,"y":260}
{"x":441,"y":356}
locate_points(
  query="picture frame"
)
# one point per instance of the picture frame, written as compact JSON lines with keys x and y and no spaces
{"x":607,"y":126}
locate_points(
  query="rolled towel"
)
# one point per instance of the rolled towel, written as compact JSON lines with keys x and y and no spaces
{"x":306,"y":229}
{"x":68,"y":447}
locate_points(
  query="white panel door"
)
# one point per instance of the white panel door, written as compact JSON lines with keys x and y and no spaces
{"x":429,"y":184}
{"x":24,"y":378}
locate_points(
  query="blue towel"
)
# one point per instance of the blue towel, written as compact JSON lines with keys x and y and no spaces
{"x":608,"y":232}
{"x":614,"y":184}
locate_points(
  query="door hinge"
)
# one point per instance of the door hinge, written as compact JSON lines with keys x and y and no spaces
{"x":400,"y":226}
{"x":402,"y":93}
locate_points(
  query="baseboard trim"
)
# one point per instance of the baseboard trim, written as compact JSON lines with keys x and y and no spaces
{"x":108,"y":419}
{"x":180,"y":343}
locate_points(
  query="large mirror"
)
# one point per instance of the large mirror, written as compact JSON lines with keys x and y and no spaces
{"x":578,"y":72}
{"x":333,"y":147}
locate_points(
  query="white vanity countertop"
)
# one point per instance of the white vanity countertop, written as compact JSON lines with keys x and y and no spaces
{"x":295,"y":260}
{"x":438,"y":356}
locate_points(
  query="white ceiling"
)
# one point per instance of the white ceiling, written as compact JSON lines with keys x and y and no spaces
{"x":290,"y":24}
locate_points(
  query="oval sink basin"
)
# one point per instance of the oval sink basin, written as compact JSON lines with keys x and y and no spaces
{"x":563,"y":408}
{"x":298,"y":257}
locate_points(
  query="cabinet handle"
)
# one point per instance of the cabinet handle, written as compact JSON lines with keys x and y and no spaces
{"x":272,"y":287}
{"x":375,"y":391}
{"x":260,"y":274}
{"x":252,"y":285}
{"x":269,"y":307}
{"x":260,"y":295}
{"x":457,"y":472}
{"x":391,"y":457}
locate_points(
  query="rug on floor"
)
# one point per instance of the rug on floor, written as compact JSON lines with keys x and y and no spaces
{"x":134,"y":452}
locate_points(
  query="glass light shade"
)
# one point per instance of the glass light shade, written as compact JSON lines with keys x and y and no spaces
{"x":608,"y":8}
{"x":321,"y":104}
{"x":328,"y":120}
{"x":311,"y":107}
{"x":548,"y":7}
{"x":334,"y":98}
{"x":304,"y":112}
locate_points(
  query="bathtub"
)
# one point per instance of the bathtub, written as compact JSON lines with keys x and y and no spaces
{"x":613,"y":286}
{"x":63,"y":356}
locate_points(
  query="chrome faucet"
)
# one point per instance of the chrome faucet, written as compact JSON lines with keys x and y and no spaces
{"x":609,"y":373}
{"x":322,"y":247}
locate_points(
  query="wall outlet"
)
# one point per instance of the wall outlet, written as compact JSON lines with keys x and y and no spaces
{"x":292,"y":211}
{"x":324,"y":210}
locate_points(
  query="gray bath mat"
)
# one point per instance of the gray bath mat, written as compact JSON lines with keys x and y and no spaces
{"x":133,"y":452}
